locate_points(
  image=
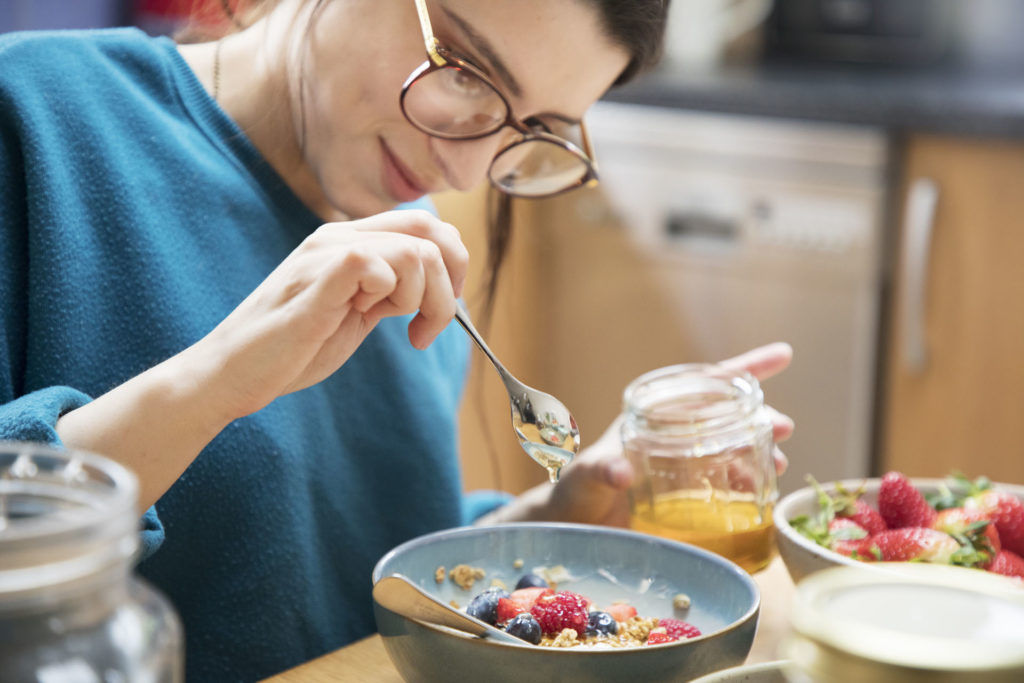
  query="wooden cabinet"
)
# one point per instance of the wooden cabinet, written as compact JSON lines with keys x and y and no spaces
{"x":953,"y":377}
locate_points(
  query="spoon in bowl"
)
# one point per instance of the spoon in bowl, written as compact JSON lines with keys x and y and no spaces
{"x":545,"y":427}
{"x":400,"y":595}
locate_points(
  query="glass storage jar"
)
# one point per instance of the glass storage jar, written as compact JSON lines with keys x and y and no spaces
{"x":70,"y":608}
{"x":906,"y":622}
{"x":700,"y":441}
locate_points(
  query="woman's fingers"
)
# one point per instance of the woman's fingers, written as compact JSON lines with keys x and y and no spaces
{"x":782,"y":425}
{"x":425,"y":226}
{"x":762,"y":362}
{"x":781,"y":461}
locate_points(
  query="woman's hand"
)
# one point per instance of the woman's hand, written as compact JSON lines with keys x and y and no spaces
{"x":312,"y":312}
{"x":592,"y":489}
{"x":295,"y":329}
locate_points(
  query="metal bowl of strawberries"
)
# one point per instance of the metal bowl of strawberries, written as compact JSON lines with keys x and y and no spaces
{"x":584,"y":603}
{"x":972,"y":523}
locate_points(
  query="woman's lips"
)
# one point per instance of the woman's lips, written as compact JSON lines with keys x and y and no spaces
{"x":398,"y":181}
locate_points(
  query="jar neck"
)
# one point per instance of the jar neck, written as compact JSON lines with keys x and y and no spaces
{"x":692,"y":400}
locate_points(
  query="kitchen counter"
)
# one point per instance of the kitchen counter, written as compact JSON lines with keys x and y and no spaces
{"x":933,"y":100}
{"x":367,"y":660}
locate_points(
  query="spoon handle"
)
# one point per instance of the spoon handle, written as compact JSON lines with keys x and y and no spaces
{"x":463,"y":317}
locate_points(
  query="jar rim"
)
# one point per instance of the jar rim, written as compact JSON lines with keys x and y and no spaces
{"x":737,"y":395}
{"x":64,"y":514}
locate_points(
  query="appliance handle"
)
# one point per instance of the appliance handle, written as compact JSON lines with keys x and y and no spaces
{"x":919,"y":221}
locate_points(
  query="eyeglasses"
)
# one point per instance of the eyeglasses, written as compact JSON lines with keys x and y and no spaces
{"x":448,"y":97}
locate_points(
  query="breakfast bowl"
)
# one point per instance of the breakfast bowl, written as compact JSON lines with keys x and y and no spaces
{"x":802,"y":556}
{"x":605,"y":565}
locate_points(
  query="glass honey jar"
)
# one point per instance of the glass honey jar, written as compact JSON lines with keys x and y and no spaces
{"x":700,"y":441}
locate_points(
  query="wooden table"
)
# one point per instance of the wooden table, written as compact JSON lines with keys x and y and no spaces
{"x":366,"y":659}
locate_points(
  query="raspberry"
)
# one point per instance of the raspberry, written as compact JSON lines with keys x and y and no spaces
{"x":560,"y":611}
{"x":677,"y":628}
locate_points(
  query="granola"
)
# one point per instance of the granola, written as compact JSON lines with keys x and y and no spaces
{"x":540,"y":614}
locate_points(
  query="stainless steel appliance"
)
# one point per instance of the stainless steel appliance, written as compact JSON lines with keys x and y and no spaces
{"x":889,"y":31}
{"x":760,"y":230}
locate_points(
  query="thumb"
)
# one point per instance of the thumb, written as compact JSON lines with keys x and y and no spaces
{"x":617,"y":473}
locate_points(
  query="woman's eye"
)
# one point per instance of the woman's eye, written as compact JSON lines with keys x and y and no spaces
{"x":537,"y":125}
{"x":465,"y":83}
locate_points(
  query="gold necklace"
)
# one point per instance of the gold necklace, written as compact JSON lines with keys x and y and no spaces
{"x":216,"y":69}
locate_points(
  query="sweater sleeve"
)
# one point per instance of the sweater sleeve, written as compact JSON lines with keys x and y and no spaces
{"x":32,"y":416}
{"x":476,"y":504}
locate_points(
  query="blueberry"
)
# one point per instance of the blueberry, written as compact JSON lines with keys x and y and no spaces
{"x":601,"y":624}
{"x":485,"y":605}
{"x":531,"y":581}
{"x":524,"y":626}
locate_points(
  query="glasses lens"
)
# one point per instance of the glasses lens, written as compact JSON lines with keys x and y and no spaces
{"x":536,"y":168}
{"x":454,"y":102}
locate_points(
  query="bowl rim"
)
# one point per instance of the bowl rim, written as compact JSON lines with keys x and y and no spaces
{"x":471,"y":530}
{"x":783,"y":526}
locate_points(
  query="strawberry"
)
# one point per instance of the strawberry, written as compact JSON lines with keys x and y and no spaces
{"x":1008,"y":563}
{"x":1004,"y":509}
{"x":846,"y":537}
{"x":507,"y":609}
{"x":677,"y":628}
{"x":901,"y":505}
{"x":923,"y":544}
{"x":658,"y":637}
{"x":621,"y":612}
{"x":527,"y":597}
{"x":560,"y":611}
{"x":970,"y":528}
{"x":864,"y":515}
{"x":848,"y":505}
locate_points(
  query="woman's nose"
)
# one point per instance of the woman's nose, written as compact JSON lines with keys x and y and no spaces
{"x":466,"y":161}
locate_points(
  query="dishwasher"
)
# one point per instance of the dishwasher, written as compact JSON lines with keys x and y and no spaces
{"x":759,"y":230}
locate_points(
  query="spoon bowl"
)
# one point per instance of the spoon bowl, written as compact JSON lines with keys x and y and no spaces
{"x":546,"y":429}
{"x":400,"y":595}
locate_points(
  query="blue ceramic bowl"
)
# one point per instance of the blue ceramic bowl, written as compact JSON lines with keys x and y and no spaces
{"x":606,"y":565}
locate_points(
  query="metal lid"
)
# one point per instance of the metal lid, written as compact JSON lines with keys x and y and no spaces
{"x":907,"y":622}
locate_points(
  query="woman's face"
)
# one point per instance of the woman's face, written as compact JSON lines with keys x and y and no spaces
{"x":545,"y":56}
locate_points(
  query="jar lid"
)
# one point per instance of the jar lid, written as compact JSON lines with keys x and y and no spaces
{"x":901,"y":621}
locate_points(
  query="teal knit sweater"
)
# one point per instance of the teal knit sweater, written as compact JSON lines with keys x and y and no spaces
{"x":134,"y":216}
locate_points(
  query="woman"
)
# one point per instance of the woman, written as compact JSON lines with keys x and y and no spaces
{"x":203,"y":279}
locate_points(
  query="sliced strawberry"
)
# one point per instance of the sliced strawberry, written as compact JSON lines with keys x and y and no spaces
{"x":527,"y":597}
{"x":658,"y":637}
{"x":677,"y":628}
{"x":1008,"y":563}
{"x":507,"y":609}
{"x":901,"y":505}
{"x":621,"y":611}
{"x":971,"y":529}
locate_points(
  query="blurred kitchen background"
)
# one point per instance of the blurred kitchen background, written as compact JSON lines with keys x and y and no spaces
{"x":844,"y":175}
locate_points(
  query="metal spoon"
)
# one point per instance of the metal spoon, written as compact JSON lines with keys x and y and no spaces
{"x":400,"y":595}
{"x":546,"y":428}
